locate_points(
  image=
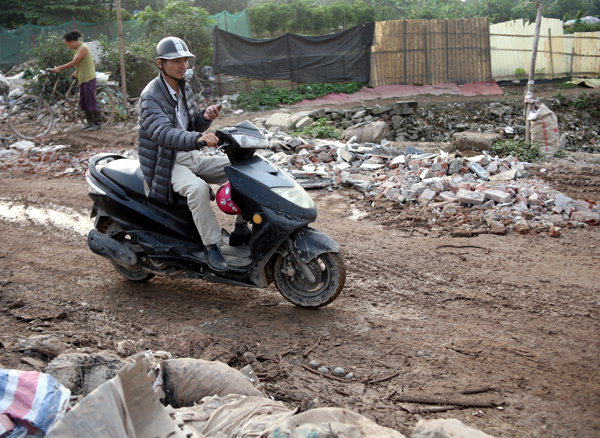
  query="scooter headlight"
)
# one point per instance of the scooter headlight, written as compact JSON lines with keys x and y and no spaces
{"x":296,"y":195}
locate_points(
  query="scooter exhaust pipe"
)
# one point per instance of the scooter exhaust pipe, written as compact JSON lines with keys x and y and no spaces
{"x":109,"y":248}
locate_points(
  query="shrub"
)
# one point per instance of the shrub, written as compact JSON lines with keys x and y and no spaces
{"x":50,"y":51}
{"x":582,"y":102}
{"x":519,"y":149}
{"x":140,"y":69}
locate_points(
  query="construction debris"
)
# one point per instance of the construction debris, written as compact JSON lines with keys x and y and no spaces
{"x":131,"y":404}
{"x":476,"y":194}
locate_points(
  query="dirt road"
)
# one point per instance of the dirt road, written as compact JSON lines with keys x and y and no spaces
{"x":420,"y":317}
{"x":516,"y":313}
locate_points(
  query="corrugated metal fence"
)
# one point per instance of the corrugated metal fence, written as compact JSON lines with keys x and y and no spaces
{"x":431,"y":51}
{"x":559,"y":55}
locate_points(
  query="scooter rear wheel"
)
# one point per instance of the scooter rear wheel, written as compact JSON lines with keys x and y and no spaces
{"x":116,"y":233}
{"x":330,"y":276}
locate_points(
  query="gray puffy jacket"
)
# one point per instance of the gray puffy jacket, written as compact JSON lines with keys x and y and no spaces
{"x":158,"y":136}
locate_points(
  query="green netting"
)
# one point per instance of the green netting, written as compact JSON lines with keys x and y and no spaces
{"x":16,"y":45}
{"x":238,"y":24}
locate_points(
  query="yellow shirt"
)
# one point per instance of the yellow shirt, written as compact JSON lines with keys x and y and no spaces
{"x":86,"y":71}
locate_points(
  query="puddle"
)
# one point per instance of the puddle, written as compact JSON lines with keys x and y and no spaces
{"x":54,"y":215}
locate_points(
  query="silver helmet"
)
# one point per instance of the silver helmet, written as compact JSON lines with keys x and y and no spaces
{"x":172,"y":48}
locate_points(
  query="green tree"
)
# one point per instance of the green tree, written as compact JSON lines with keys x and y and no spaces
{"x":155,"y":5}
{"x":360,"y":12}
{"x":217,"y":6}
{"x":272,"y":18}
{"x":43,"y":13}
{"x":182,"y":20}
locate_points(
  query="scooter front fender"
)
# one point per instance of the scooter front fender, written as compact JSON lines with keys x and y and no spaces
{"x":309,"y":243}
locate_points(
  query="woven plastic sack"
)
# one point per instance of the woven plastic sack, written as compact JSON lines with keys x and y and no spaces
{"x":544,"y":130}
{"x":187,"y":381}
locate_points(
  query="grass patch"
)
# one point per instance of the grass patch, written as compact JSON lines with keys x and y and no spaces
{"x":519,"y":149}
{"x":268,"y":98}
{"x":582,"y":102}
{"x":566,"y":85}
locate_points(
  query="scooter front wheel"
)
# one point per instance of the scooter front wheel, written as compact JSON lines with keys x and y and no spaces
{"x":329,"y":271}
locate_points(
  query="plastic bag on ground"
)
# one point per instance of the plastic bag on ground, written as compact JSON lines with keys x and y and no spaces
{"x":30,"y":401}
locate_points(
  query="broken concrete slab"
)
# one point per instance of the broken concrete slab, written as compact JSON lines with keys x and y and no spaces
{"x":345,"y":154}
{"x":426,"y":197}
{"x":498,"y":196}
{"x":478,"y":169}
{"x":302,"y":123}
{"x":504,"y":176}
{"x":448,"y":196}
{"x":280,"y":122}
{"x":588,"y":217}
{"x":372,"y":132}
{"x":468,"y":197}
{"x":474,"y":141}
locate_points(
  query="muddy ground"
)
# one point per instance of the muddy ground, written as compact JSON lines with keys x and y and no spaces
{"x":420,"y":316}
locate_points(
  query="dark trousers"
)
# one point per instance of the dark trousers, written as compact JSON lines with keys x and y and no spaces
{"x":87,"y":96}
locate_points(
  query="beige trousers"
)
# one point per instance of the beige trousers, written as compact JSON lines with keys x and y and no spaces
{"x":192,"y":174}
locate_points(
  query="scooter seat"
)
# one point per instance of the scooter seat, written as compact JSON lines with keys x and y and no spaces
{"x":127,"y":174}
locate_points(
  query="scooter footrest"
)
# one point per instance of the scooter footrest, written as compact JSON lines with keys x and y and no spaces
{"x":236,"y":256}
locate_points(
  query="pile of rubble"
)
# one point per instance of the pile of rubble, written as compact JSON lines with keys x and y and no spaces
{"x":464,"y":196}
{"x":435,"y":191}
{"x":54,"y":160}
{"x":578,"y":120}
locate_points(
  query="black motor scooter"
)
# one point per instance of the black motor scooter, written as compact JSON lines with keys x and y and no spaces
{"x":143,"y":237}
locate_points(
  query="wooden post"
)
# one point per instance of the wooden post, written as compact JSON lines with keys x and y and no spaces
{"x":74,"y":24}
{"x":122,"y":57}
{"x":536,"y":38}
{"x":32,"y":37}
{"x":550,"y":47}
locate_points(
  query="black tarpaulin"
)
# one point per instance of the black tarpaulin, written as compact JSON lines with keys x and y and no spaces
{"x":344,"y":56}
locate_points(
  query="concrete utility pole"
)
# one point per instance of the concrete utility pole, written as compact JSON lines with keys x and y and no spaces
{"x":122,"y":56}
{"x":536,"y":38}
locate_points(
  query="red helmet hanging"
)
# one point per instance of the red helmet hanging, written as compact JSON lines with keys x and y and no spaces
{"x":224,"y":200}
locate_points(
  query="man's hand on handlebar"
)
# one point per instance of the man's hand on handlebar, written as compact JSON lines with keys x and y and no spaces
{"x":209,"y":139}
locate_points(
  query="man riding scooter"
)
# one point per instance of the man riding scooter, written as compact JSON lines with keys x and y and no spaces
{"x":169,"y":139}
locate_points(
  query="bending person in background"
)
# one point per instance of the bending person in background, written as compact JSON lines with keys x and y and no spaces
{"x":85,"y":71}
